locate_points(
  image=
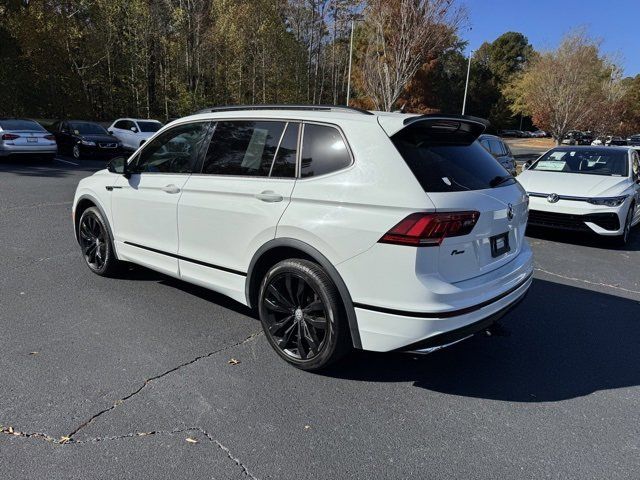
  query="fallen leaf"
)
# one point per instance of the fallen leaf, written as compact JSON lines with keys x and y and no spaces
{"x":33,"y":353}
{"x":233,"y":361}
{"x":144,"y":434}
{"x":10,"y":429}
{"x":191,"y":440}
{"x":64,"y":439}
{"x":307,"y":427}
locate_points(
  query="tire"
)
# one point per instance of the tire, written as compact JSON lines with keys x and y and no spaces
{"x":96,"y":243}
{"x":623,"y":240}
{"x":75,"y":152}
{"x":302,"y":315}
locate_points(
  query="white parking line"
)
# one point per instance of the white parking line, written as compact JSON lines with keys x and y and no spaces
{"x":66,"y":161}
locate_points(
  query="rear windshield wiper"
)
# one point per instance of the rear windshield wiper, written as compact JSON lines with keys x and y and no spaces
{"x":499,"y":180}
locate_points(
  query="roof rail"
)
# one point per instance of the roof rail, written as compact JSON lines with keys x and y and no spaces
{"x":316,"y":108}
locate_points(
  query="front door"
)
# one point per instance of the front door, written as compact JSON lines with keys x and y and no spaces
{"x":144,"y":206}
{"x":233,"y":206}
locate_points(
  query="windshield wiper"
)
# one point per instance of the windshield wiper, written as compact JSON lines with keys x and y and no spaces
{"x":499,"y":180}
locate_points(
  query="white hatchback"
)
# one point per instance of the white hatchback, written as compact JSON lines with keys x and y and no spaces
{"x":588,"y":189}
{"x":341,"y":227}
{"x":133,"y":132}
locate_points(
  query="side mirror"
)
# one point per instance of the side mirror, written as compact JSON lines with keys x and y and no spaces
{"x":527,"y":165}
{"x":118,"y":165}
{"x":134,"y":129}
{"x":110,"y":132}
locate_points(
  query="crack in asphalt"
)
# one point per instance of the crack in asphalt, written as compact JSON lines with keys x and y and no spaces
{"x":156,"y":377}
{"x":68,"y":441}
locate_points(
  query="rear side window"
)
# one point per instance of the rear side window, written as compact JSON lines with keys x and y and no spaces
{"x":496,"y":147}
{"x":15,"y":124}
{"x":323,"y":151}
{"x":441,"y":165}
{"x":243,"y":148}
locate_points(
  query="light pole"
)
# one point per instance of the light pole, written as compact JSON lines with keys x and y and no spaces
{"x":466,"y":85}
{"x":350,"y":57}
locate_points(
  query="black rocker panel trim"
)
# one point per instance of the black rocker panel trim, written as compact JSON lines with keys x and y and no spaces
{"x":186,"y":259}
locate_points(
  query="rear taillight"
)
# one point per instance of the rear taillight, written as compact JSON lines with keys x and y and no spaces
{"x":10,"y":136}
{"x":50,"y":137}
{"x":430,"y":229}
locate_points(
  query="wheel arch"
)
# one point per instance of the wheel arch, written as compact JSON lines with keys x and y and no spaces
{"x":282,"y":248}
{"x":84,"y":202}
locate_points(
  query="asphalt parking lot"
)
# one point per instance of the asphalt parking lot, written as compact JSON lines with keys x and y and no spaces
{"x":131,"y":377}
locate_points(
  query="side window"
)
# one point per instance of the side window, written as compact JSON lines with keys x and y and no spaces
{"x":485,"y":144}
{"x":323,"y":150}
{"x":495,"y":147}
{"x":243,"y":148}
{"x":174,"y":151}
{"x":119,"y":124}
{"x":284,"y":166}
{"x":636,"y":164}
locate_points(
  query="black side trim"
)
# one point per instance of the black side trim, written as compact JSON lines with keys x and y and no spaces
{"x":462,"y":332}
{"x":325,"y":264}
{"x":449,"y":314}
{"x":191,"y":260}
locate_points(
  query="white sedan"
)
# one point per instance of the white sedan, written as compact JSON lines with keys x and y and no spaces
{"x":133,"y":132}
{"x":585,"y":189}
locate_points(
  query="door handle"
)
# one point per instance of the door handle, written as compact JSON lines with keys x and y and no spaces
{"x":171,"y":188}
{"x":269,"y":196}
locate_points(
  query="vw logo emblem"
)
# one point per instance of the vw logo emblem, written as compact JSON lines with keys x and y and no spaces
{"x":510,"y":212}
{"x":553,"y":198}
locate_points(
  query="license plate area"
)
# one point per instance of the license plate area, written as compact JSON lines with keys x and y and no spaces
{"x":32,"y":139}
{"x":499,"y":244}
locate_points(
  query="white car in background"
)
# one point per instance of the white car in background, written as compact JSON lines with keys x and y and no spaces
{"x":133,"y":132}
{"x":585,"y":189}
{"x":341,"y":227}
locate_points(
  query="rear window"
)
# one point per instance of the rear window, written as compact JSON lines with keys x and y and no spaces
{"x":323,"y":151}
{"x":447,"y":165}
{"x":15,"y":124}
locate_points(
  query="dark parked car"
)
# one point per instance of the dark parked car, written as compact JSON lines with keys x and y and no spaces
{"x":511,"y":133}
{"x":634,"y":140}
{"x":85,"y":139}
{"x":500,"y":150}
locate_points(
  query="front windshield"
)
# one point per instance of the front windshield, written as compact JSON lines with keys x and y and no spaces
{"x":586,"y":161}
{"x":87,"y":129}
{"x":149,"y":126}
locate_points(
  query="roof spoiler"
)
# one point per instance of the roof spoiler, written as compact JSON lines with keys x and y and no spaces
{"x":464,"y":128}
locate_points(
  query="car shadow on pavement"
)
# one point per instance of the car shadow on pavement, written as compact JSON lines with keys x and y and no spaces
{"x":55,"y":168}
{"x":562,"y":342}
{"x":586,"y":239}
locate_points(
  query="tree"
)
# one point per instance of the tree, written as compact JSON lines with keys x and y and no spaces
{"x":401,"y":36}
{"x":564,"y":89}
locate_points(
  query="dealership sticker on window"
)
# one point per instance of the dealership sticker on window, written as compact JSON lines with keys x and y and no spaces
{"x":554,"y":165}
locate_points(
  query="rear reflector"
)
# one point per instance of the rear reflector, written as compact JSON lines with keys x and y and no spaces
{"x":10,"y":136}
{"x":430,"y":229}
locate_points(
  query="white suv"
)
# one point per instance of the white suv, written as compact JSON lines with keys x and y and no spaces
{"x":133,"y":132}
{"x":341,"y":227}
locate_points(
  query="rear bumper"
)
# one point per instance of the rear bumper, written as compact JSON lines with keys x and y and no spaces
{"x":25,"y":150}
{"x":383,"y":331}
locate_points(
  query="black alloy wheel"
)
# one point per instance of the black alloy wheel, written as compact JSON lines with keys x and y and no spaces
{"x":301,"y":314}
{"x":95,"y":243}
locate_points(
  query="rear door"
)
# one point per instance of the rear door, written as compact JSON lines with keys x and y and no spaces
{"x":459,"y":175}
{"x":145,"y":206}
{"x":233,"y":206}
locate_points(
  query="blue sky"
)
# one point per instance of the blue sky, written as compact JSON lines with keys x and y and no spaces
{"x":544,"y":22}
